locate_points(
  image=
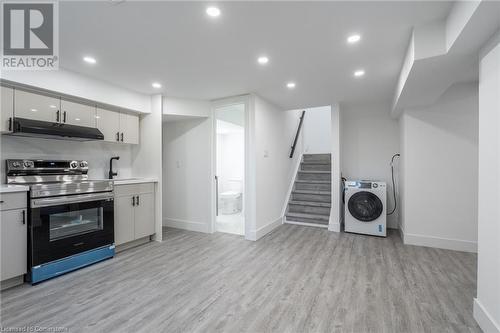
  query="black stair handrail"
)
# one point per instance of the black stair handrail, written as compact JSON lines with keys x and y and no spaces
{"x":297,"y":134}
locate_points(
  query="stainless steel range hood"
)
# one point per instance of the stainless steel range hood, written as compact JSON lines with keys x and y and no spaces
{"x":45,"y":129}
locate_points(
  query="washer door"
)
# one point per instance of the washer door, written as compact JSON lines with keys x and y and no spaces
{"x":365,"y":206}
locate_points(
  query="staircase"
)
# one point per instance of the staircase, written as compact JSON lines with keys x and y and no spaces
{"x":310,"y":201}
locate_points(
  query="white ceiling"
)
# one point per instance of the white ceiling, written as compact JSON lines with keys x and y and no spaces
{"x":194,"y":56}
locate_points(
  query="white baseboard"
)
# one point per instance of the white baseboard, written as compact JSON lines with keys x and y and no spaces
{"x":438,"y":242}
{"x":484,"y":319}
{"x":262,"y":231}
{"x":186,"y":225}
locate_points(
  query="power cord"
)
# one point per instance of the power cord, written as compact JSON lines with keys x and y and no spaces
{"x":393,"y":184}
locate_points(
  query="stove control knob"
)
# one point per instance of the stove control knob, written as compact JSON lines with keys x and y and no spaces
{"x":83,"y":164}
{"x":28,"y":164}
{"x":16,"y":164}
{"x":73,"y":165}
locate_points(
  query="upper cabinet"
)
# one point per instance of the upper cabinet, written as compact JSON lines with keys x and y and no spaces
{"x":116,"y":126}
{"x":108,"y":122}
{"x":7,"y":111}
{"x":78,"y":114}
{"x":37,"y":107}
{"x":129,"y":128}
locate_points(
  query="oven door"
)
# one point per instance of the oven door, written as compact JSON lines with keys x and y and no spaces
{"x":67,"y":225}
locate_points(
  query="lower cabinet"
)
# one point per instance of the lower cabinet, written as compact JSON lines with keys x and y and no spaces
{"x":134,"y":212}
{"x":13,"y":235}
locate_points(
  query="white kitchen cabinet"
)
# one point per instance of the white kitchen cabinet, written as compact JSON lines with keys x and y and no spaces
{"x":134,"y":212}
{"x":38,"y":107}
{"x":78,"y":114}
{"x":108,"y":122}
{"x":129,"y":128}
{"x":124,"y":219}
{"x":13,"y":236}
{"x":144,"y":215}
{"x":7,"y":111}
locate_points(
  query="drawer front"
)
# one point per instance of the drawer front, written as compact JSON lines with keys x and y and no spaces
{"x":133,"y":189}
{"x":17,"y":200}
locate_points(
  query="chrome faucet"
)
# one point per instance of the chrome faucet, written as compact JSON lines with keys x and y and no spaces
{"x":111,"y":173}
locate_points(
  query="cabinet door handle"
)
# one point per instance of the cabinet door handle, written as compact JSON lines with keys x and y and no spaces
{"x":133,"y":201}
{"x":24,"y":217}
{"x":10,"y":124}
{"x":64,"y":116}
{"x":122,"y":136}
{"x":57,"y":116}
{"x":117,"y":136}
{"x":138,"y":201}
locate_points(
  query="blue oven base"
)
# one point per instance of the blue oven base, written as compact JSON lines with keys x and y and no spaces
{"x":65,"y":265}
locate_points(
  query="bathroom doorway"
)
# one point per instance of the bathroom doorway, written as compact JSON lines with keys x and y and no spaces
{"x":230,"y":168}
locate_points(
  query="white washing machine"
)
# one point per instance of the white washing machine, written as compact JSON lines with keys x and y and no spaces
{"x":365,"y":207}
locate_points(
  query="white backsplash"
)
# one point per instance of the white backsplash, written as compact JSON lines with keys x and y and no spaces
{"x":96,"y":153}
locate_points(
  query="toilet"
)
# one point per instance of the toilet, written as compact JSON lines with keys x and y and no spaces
{"x":231,"y":201}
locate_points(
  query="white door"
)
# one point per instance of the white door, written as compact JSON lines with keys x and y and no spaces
{"x":144,"y":215}
{"x":108,"y":122}
{"x":129,"y":127}
{"x":78,"y":114}
{"x":7,"y":111}
{"x":14,"y":246}
{"x":38,"y":107}
{"x":124,"y":219}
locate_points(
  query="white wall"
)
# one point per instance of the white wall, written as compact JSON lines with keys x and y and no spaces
{"x":96,"y":153}
{"x":273,"y":131}
{"x":440,"y":156}
{"x":186,"y":174}
{"x":74,"y":84}
{"x":369,"y":138}
{"x":186,"y":107}
{"x":317,"y":130}
{"x":487,"y":303}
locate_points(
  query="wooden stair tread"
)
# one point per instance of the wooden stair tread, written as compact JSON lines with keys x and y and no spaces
{"x":309,"y":216}
{"x":312,"y":192}
{"x":310,"y":203}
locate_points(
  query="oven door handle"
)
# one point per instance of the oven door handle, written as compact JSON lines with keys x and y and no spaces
{"x":54,"y":201}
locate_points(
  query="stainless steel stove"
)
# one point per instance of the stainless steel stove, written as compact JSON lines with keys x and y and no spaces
{"x":70,"y":219}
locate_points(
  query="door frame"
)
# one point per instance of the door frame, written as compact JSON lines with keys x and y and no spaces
{"x":246,"y":100}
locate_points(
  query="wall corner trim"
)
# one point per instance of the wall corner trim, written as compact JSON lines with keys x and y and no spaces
{"x":335,"y":227}
{"x":262,"y":231}
{"x":484,"y":319}
{"x":186,"y":225}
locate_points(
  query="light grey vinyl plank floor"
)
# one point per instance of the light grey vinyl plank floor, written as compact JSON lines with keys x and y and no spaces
{"x":296,"y":279}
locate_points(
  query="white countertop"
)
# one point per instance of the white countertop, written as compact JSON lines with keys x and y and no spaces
{"x":4,"y":188}
{"x":134,"y":180}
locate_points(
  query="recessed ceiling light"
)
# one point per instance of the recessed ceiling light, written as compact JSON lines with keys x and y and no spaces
{"x":156,"y":85}
{"x":34,"y":110}
{"x":90,"y":60}
{"x":359,"y":73}
{"x":52,"y":106}
{"x":213,"y":11}
{"x":263,"y":60}
{"x":77,"y":119}
{"x":97,"y":117}
{"x":290,"y":85}
{"x":353,"y":39}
